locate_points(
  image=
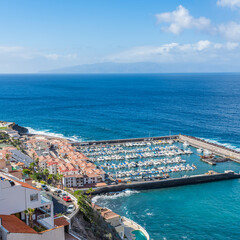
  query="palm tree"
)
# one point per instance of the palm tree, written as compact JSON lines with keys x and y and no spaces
{"x":29,"y":212}
{"x":32,"y":165}
{"x":26,"y":171}
{"x":59,"y":179}
{"x":50,"y":177}
{"x":37,"y":161}
{"x":46,"y":173}
{"x":7,"y":156}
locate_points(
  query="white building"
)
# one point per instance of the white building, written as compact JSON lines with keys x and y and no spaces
{"x":73,"y":180}
{"x":13,"y":134}
{"x":12,"y":228}
{"x":15,"y":198}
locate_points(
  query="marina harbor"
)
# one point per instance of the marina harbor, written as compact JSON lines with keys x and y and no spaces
{"x":155,"y":158}
{"x":107,"y":168}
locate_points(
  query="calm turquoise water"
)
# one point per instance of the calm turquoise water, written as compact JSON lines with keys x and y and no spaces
{"x":94,"y":107}
{"x":204,"y":211}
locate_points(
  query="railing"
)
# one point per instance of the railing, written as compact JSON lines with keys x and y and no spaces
{"x":45,"y":199}
{"x":74,"y":199}
{"x":45,"y":224}
{"x":45,"y":215}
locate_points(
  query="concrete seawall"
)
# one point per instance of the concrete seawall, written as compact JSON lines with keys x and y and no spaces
{"x":173,"y":137}
{"x":214,"y":148}
{"x":173,"y":182}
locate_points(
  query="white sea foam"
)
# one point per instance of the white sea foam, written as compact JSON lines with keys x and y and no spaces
{"x":149,"y":214}
{"x":227,"y":145}
{"x":51,"y":134}
{"x":125,"y":193}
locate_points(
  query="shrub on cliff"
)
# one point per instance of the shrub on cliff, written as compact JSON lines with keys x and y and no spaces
{"x":90,"y":220}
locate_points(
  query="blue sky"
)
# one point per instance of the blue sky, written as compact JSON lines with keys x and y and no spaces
{"x":42,"y":35}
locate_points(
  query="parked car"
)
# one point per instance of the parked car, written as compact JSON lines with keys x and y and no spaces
{"x":67,"y":199}
{"x":62,"y":195}
{"x":44,"y":187}
{"x":57,"y":192}
{"x":70,"y":209}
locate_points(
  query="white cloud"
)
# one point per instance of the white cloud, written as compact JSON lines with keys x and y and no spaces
{"x":10,"y":49}
{"x":23,"y":59}
{"x":25,"y":53}
{"x":229,"y":3}
{"x":180,"y":19}
{"x":175,"y":52}
{"x":231,"y":45}
{"x":230,"y":31}
{"x":54,"y":56}
{"x":201,"y":45}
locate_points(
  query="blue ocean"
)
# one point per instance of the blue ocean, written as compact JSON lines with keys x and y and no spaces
{"x":96,"y":107}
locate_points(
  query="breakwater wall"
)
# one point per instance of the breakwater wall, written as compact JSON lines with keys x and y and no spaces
{"x":166,"y":183}
{"x":214,"y":148}
{"x":173,"y":137}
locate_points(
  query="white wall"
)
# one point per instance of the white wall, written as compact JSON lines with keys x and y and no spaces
{"x":55,"y":234}
{"x":17,"y":199}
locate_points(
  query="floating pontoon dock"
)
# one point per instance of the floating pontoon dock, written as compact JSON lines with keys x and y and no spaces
{"x":192,"y":141}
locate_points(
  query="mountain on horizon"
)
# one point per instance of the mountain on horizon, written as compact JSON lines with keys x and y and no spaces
{"x":139,"y":67}
{"x":111,"y":67}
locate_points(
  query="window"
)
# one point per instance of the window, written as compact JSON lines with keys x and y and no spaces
{"x":34,"y":197}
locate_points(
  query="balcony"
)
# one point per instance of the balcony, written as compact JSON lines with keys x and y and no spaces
{"x":44,"y":218}
{"x":45,"y":199}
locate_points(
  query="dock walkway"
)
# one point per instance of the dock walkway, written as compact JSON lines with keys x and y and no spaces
{"x":212,"y":147}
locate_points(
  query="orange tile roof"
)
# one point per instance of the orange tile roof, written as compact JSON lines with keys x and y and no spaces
{"x":61,"y":221}
{"x":74,"y":175}
{"x":20,"y":164}
{"x":14,"y":225}
{"x":109,"y":214}
{"x":26,"y":185}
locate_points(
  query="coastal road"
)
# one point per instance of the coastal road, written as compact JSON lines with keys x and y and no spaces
{"x":60,"y":206}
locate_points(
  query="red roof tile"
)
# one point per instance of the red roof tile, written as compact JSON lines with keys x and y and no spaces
{"x":14,"y":225}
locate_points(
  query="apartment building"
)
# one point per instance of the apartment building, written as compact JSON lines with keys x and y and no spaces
{"x":15,"y":198}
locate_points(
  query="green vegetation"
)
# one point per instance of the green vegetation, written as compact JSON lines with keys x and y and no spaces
{"x":17,"y":144}
{"x":29,"y":212}
{"x":39,"y":228}
{"x":7,"y":156}
{"x":84,"y":204}
{"x":4,"y":138}
{"x":89,"y":192}
{"x":3,"y":128}
{"x":26,"y":172}
{"x":37,"y":176}
{"x":40,"y":175}
{"x":91,"y":219}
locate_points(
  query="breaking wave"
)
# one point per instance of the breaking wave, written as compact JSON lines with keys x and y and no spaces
{"x":48,"y":133}
{"x":125,"y":193}
{"x":227,"y":145}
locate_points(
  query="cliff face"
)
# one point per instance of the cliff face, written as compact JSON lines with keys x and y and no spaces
{"x":16,"y":127}
{"x":93,"y":230}
{"x":88,"y":223}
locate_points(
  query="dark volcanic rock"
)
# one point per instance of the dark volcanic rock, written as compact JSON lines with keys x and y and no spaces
{"x":21,"y":130}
